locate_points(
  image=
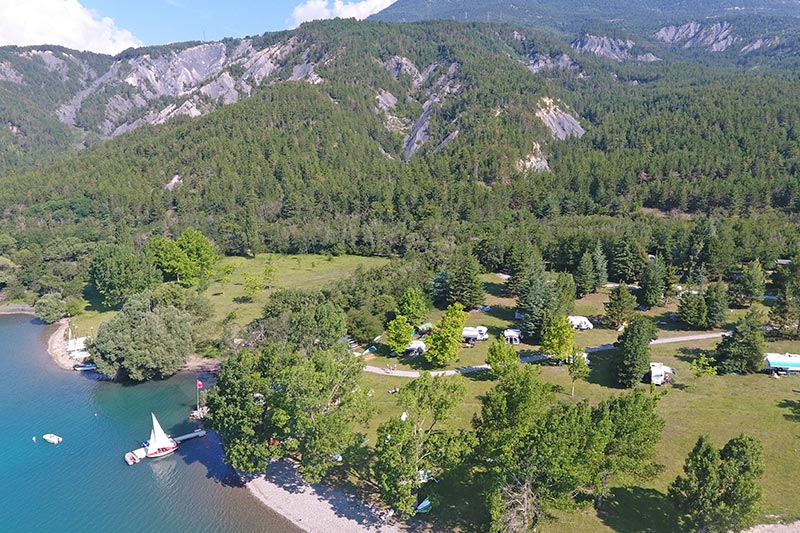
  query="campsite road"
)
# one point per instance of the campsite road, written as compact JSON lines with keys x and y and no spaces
{"x":533,"y":358}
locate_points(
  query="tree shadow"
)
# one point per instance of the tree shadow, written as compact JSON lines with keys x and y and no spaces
{"x":208,"y":452}
{"x":501,"y":312}
{"x":480,"y":375}
{"x":794,"y":409}
{"x":687,"y":355}
{"x":496,"y":289}
{"x":602,"y":369}
{"x":666,"y":322}
{"x":639,"y":510}
{"x":242,"y":299}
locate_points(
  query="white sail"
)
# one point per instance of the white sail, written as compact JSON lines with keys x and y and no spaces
{"x":158,"y":439}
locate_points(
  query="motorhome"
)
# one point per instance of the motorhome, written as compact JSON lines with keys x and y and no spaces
{"x":659,"y":373}
{"x":472,"y":334}
{"x":512,"y":336}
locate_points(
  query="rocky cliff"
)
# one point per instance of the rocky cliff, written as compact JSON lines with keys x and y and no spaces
{"x":617,"y":49}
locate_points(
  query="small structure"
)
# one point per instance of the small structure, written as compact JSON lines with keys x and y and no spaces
{"x":512,"y":336}
{"x":416,"y":347}
{"x":473,"y":334}
{"x":782,"y":363}
{"x":659,"y":373}
{"x":580,"y":322}
{"x":425,"y":328}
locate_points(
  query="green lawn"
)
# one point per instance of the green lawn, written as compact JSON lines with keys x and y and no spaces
{"x":293,"y":271}
{"x":720,"y":406}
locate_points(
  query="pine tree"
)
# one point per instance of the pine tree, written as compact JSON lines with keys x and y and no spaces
{"x":600,"y":266}
{"x":749,"y":286}
{"x":585,"y":276}
{"x":652,"y":284}
{"x":692,"y":310}
{"x":464,"y":284}
{"x":621,"y":306}
{"x":719,"y":490}
{"x":716,"y":299}
{"x":634,"y":351}
{"x":743,"y":349}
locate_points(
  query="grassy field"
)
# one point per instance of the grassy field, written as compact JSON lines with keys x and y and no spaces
{"x":292,"y":271}
{"x":719,"y":406}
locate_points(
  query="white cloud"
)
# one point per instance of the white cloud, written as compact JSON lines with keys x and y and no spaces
{"x":325,"y":9}
{"x":62,"y":22}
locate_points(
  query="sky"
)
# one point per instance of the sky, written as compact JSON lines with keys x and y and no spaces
{"x":110,"y":26}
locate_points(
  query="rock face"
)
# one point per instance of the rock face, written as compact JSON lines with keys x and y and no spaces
{"x":541,"y":62}
{"x":151,"y":86}
{"x":535,"y":161}
{"x":617,"y":49}
{"x":716,"y":37}
{"x":560,"y":123}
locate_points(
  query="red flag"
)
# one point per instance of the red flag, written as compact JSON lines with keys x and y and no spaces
{"x":199,"y":384}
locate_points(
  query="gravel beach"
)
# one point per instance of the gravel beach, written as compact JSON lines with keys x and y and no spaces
{"x":316,"y":508}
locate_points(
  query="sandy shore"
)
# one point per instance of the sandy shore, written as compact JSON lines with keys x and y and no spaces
{"x":57,"y":346}
{"x":16,"y":309}
{"x":316,"y":508}
{"x":202,"y":365}
{"x":792,"y":527}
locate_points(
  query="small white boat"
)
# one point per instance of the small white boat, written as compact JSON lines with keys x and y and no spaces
{"x":52,"y":438}
{"x":85,"y":367}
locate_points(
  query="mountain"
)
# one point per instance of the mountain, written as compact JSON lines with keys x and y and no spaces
{"x":741,"y":28}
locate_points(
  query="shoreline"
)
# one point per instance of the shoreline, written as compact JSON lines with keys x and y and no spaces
{"x":315,"y":508}
{"x":312,"y":508}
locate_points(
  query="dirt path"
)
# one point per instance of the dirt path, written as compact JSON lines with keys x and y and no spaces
{"x":533,"y":358}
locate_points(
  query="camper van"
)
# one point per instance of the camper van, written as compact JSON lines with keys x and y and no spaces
{"x":580,"y":322}
{"x":416,"y":348}
{"x":478,"y":333}
{"x":659,"y":373}
{"x":782,"y":363}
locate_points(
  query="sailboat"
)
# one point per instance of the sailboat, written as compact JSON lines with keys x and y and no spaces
{"x":159,"y":444}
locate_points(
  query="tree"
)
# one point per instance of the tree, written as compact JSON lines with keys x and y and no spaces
{"x":600,"y":266}
{"x":716,"y":299}
{"x":364,"y":325}
{"x":578,"y":369}
{"x":621,"y":306}
{"x":784,"y":315}
{"x":558,"y":339}
{"x":501,"y":356}
{"x":651,"y":293}
{"x":285,"y":403}
{"x":627,"y":260}
{"x":399,"y":333}
{"x":446,"y":337}
{"x":631,"y":430}
{"x":692,"y":310}
{"x":671,"y":280}
{"x":535,"y":295}
{"x":252,"y":285}
{"x":118,"y":271}
{"x":719,"y":490}
{"x":171,"y":260}
{"x":144,"y":341}
{"x":200,"y":252}
{"x":743,"y":349}
{"x":585,"y":276}
{"x":414,"y":305}
{"x":702,"y":365}
{"x":418,"y":446}
{"x":634,"y":351}
{"x":50,"y":307}
{"x":749,"y":286}
{"x":464,"y":284}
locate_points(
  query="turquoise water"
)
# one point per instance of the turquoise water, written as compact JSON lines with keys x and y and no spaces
{"x":83,"y":484}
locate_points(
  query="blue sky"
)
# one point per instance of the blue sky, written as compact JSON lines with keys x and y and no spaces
{"x":110,"y":26}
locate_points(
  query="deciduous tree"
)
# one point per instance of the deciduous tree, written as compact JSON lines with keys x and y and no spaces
{"x":399,"y":333}
{"x":446,"y":337}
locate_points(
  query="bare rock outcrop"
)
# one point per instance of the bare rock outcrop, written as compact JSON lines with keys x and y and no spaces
{"x":715,"y":37}
{"x":561,"y":124}
{"x":617,"y":49}
{"x":542,"y":62}
{"x":534,"y":162}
